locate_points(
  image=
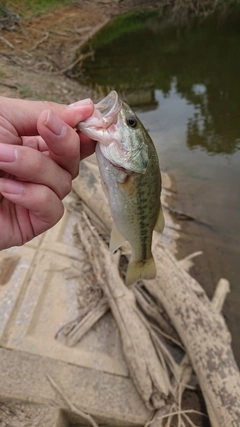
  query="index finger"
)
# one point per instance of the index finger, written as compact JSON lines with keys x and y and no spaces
{"x":23,"y":114}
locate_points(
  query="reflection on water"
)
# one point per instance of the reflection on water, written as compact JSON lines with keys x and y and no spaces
{"x":184,"y":85}
{"x":204,"y":62}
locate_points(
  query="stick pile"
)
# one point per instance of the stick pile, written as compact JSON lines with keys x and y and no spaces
{"x":168,"y":326}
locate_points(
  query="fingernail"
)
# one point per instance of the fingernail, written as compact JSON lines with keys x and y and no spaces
{"x":54,"y":124}
{"x":86,"y":101}
{"x":10,"y":186}
{"x":8,"y":153}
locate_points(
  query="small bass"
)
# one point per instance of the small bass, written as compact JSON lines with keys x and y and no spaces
{"x":131,"y":180}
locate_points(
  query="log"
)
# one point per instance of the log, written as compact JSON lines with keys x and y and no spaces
{"x":203,"y":332}
{"x":197,"y":321}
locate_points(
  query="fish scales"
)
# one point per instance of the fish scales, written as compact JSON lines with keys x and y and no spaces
{"x":131,"y":180}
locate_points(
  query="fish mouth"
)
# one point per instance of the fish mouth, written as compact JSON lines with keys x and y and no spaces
{"x":109,"y":108}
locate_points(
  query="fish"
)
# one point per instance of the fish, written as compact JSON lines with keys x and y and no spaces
{"x":131,"y":180}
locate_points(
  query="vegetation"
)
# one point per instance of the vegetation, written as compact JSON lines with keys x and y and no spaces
{"x":177,"y":10}
{"x":128,"y":22}
{"x":26,"y":8}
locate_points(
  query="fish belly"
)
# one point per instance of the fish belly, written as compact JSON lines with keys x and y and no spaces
{"x":134,"y":201}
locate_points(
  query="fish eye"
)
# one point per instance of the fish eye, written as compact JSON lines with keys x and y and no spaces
{"x":131,"y":122}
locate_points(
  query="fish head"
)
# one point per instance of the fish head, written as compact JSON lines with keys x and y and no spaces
{"x":120,"y":133}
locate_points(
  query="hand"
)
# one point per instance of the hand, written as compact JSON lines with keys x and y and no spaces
{"x":39,"y":157}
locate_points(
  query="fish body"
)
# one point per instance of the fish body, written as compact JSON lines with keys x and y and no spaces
{"x":131,"y":179}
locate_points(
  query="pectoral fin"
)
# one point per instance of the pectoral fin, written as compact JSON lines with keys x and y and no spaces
{"x":116,"y":239}
{"x":160,"y":222}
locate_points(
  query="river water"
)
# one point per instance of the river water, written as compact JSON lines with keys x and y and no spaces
{"x":184,"y":84}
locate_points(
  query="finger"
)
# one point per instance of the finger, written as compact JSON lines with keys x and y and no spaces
{"x":8,"y":131}
{"x":23,"y":114}
{"x":44,"y":208}
{"x":87,"y":147}
{"x":36,"y":142}
{"x":62,"y":141}
{"x":30,"y":165}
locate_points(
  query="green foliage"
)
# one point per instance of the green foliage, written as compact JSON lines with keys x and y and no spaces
{"x":35,"y":7}
{"x":122,"y":24}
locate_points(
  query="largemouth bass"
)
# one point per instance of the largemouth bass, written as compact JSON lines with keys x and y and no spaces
{"x":131,"y":179}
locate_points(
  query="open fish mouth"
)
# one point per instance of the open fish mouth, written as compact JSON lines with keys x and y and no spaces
{"x":102,"y":125}
{"x":109,"y":108}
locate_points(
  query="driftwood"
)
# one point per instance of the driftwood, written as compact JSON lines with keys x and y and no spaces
{"x":168,"y":325}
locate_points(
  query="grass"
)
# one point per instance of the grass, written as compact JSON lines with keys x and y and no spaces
{"x":128,"y":22}
{"x":31,"y":8}
{"x":26,"y":92}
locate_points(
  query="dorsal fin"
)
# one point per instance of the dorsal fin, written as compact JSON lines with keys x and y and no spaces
{"x":159,"y":226}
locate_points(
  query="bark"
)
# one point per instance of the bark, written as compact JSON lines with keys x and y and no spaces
{"x":204,"y":334}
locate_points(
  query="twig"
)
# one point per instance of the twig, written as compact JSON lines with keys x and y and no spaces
{"x":73,"y":408}
{"x":17,"y":61}
{"x":59,"y":33}
{"x":168,"y":337}
{"x":179,"y":404}
{"x":87,"y":322}
{"x":182,"y":412}
{"x":80,"y":58}
{"x":153,"y":310}
{"x":81,"y":30}
{"x":189,"y":420}
{"x":8,"y":85}
{"x":43,"y":39}
{"x":186,"y":263}
{"x":7,"y":42}
{"x":222,"y":289}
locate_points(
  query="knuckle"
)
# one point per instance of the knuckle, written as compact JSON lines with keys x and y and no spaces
{"x":73,"y":152}
{"x":32,"y":161}
{"x":67,"y":184}
{"x":48,"y":206}
{"x":37,"y":163}
{"x":44,"y":196}
{"x":76,"y":171}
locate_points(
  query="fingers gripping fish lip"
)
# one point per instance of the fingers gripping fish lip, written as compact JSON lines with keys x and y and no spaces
{"x":101,"y":126}
{"x":122,"y":144}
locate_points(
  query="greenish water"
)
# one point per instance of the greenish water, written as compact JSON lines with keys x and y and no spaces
{"x":184,"y":84}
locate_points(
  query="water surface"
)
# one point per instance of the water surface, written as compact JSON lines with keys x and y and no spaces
{"x":184,"y":84}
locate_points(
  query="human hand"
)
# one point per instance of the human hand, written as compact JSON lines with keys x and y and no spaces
{"x":39,"y":157}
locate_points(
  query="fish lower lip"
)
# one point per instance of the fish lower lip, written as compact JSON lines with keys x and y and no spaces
{"x":109,"y":106}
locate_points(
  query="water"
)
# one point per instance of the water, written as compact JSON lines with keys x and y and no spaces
{"x":184,"y":84}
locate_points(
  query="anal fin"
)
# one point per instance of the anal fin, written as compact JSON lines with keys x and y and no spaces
{"x":116,"y":239}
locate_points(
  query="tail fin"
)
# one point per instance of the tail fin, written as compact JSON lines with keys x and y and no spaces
{"x":144,"y":269}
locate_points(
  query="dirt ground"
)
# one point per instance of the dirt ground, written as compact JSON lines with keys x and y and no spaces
{"x":37,"y":54}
